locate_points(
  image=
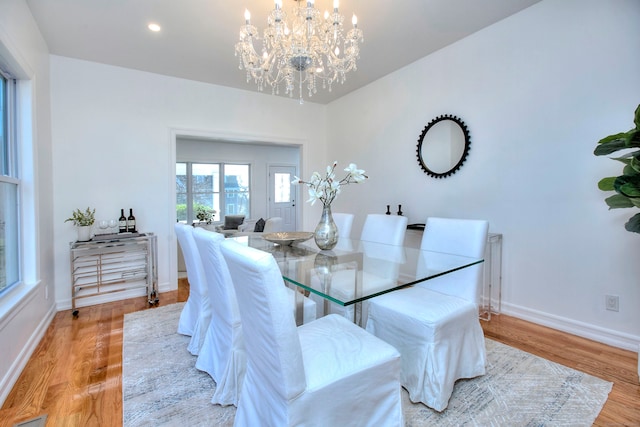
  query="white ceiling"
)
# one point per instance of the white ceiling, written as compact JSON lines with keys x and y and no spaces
{"x":198,"y":36}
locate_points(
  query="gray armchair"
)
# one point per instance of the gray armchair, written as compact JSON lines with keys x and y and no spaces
{"x":231,"y":224}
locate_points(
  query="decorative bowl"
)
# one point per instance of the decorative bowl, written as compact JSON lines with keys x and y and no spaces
{"x":287,"y":238}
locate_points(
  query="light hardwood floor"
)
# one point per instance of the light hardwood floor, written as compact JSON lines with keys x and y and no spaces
{"x":74,"y":375}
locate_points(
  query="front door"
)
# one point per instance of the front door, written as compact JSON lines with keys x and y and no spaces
{"x":282,"y":194}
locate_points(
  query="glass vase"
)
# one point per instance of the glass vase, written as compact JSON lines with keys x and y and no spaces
{"x":326,"y":233}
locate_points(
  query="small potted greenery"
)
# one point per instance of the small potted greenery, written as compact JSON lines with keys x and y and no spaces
{"x":84,"y":221}
{"x":205,"y":214}
{"x":627,"y":185}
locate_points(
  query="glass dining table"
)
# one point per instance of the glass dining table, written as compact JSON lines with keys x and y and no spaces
{"x":354,"y":271}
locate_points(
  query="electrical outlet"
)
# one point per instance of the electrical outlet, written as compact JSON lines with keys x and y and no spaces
{"x":612,"y":302}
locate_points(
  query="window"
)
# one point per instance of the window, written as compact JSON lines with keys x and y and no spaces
{"x":282,"y":187}
{"x":220,"y":186}
{"x":9,"y":185}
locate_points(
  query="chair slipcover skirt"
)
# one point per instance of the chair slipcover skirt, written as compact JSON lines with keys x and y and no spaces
{"x":222,"y":354}
{"x":439,"y":337}
{"x":188,"y":317}
{"x":196,"y":314}
{"x":334,"y":366}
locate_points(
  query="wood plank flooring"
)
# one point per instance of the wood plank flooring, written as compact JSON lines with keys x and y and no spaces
{"x":75,"y":373}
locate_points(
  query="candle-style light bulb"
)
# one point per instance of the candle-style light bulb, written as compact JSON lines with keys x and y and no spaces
{"x":247,"y":16}
{"x":354,"y":21}
{"x":278,"y":4}
{"x":336,"y":4}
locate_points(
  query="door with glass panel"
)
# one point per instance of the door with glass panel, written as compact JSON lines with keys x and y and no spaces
{"x":282,"y":196}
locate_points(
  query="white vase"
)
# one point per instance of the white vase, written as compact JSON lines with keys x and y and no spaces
{"x":84,"y":233}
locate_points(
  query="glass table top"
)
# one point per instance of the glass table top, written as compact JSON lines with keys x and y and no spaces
{"x":356,"y":270}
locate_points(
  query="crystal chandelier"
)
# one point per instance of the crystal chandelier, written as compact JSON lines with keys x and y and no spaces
{"x":300,"y":52}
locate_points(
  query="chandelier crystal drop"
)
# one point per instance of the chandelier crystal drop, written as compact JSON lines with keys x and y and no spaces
{"x":301,"y":52}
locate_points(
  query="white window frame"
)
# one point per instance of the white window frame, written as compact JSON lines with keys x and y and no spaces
{"x":12,"y":175}
{"x":29,"y":232}
{"x":219,"y":217}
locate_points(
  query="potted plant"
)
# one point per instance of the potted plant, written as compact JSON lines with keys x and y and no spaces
{"x":627,"y":185}
{"x":205,"y":214}
{"x":84,"y":221}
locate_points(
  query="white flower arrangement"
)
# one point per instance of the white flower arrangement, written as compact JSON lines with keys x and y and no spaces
{"x":328,"y":187}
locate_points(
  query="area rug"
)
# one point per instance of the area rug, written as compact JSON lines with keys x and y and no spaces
{"x":162,"y":387}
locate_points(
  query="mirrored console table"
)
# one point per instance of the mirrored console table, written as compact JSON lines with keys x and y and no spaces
{"x":112,"y":264}
{"x":491,"y":293}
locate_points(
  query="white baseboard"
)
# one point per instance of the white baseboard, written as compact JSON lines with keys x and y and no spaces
{"x":9,"y":380}
{"x":585,"y":330}
{"x":20,"y":362}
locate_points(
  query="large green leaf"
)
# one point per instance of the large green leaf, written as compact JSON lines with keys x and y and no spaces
{"x":635,"y":164}
{"x":624,"y":158}
{"x":618,"y":141}
{"x":610,"y":144}
{"x":628,"y":185}
{"x":634,"y":137}
{"x":606,"y":184}
{"x":633,"y":224}
{"x":629,"y":170}
{"x":636,"y":119}
{"x":618,"y":201}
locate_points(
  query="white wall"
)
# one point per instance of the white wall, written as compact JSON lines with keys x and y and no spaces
{"x":26,"y":310}
{"x":114,"y":133}
{"x":537,"y":91}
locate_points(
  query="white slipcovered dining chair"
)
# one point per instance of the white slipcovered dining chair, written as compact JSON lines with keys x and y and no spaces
{"x":222,"y":354}
{"x":378,"y":229}
{"x":387,"y":229}
{"x":196,"y":314}
{"x":435,"y":324}
{"x":327,"y":372}
{"x":344,"y":222}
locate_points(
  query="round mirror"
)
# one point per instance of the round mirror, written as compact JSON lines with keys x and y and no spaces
{"x":443,"y":146}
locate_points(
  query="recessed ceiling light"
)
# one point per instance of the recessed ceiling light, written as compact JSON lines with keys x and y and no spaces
{"x":154,"y":27}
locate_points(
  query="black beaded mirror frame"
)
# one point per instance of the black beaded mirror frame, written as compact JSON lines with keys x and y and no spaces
{"x":463,"y":157}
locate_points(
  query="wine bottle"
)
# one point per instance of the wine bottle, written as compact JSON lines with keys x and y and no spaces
{"x":122,"y":222}
{"x":131,"y":222}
